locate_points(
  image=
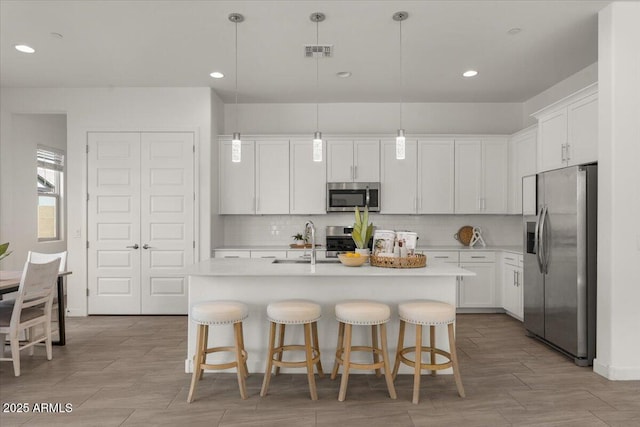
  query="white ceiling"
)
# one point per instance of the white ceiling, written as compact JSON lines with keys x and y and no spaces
{"x":178,"y":43}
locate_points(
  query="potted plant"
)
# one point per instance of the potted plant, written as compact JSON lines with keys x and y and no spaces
{"x":362,"y":231}
{"x":300,"y":239}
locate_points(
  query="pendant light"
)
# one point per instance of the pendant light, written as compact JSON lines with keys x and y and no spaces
{"x":236,"y":143}
{"x":400,"y":139}
{"x":317,"y":17}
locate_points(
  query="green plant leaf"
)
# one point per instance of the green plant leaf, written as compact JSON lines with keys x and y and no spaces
{"x":3,"y":250}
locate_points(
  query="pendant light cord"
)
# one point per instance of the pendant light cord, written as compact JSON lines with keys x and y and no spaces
{"x":401,"y":86}
{"x":317,"y":78}
{"x":236,"y":24}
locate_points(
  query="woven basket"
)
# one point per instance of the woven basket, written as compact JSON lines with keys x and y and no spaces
{"x":413,"y":261}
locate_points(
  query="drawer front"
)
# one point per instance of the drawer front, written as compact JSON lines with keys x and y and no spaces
{"x":520,"y":261}
{"x":306,"y":254}
{"x":510,"y":259}
{"x":268,"y":254}
{"x":477,"y":256}
{"x":233,"y":254}
{"x":451,"y":257}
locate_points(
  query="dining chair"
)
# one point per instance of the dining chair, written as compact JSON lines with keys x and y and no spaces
{"x":41,"y":258}
{"x":31,"y":308}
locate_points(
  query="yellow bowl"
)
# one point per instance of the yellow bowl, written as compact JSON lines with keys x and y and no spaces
{"x":352,"y":261}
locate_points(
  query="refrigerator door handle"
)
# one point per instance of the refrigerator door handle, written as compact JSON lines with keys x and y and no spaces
{"x":537,"y":247}
{"x":542,"y":246}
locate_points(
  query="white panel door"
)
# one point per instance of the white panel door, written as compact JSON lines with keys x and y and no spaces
{"x":339,"y":161}
{"x":308,"y":188}
{"x":167,"y":220}
{"x":436,"y":186}
{"x":468,"y":182}
{"x":272,"y":177}
{"x":398,"y":179}
{"x":141,"y":221}
{"x":114,"y":223}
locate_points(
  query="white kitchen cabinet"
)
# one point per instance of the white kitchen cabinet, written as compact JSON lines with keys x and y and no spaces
{"x":512,"y":286}
{"x":568,"y":130}
{"x":478,"y":291}
{"x":398,"y":183}
{"x":353,"y":161}
{"x":268,"y":254}
{"x":434,"y":257}
{"x":522,"y":162}
{"x":306,"y":254}
{"x":225,"y":253}
{"x":481,"y":175}
{"x":436,"y":179}
{"x":272,"y":177}
{"x":307,"y":184}
{"x":237,"y":180}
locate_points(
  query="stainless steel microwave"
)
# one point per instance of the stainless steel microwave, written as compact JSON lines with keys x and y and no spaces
{"x":345,"y":196}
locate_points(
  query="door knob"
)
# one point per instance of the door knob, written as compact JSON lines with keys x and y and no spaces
{"x":134,"y":246}
{"x":145,"y":246}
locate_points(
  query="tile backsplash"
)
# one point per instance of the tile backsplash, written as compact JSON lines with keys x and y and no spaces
{"x":433,"y":230}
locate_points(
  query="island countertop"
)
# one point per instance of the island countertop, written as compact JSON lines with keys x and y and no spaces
{"x":247,"y":267}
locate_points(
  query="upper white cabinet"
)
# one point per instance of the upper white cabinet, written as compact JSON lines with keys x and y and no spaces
{"x":522,"y":162}
{"x":436,"y":179}
{"x":398,"y":184}
{"x":481,"y":172}
{"x":353,"y":161}
{"x":237,"y":180}
{"x":272,"y":177}
{"x":568,"y":130}
{"x":308,"y":179}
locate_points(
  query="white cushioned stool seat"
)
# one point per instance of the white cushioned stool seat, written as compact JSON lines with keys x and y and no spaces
{"x":427,"y":312}
{"x":219,"y":312}
{"x":294,"y":311}
{"x":362,"y":312}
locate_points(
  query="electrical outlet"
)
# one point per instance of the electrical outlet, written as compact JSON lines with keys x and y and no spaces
{"x":77,"y":233}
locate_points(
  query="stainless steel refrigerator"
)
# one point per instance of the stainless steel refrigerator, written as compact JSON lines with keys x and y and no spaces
{"x":560,"y":261}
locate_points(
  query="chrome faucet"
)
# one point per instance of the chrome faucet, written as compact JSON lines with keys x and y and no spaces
{"x":309,"y":228}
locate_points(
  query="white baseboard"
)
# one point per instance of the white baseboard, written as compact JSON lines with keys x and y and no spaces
{"x":616,"y":373}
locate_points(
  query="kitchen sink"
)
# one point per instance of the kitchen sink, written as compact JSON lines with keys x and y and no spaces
{"x":305,"y":261}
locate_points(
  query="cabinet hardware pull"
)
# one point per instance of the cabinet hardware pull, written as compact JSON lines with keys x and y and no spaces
{"x":444,"y":257}
{"x":351,"y":171}
{"x":134,"y":246}
{"x":567,"y":150}
{"x":231,"y":256}
{"x":473,"y":256}
{"x":355,"y":172}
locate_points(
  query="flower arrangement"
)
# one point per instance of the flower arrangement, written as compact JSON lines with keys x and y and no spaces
{"x":362,"y":232}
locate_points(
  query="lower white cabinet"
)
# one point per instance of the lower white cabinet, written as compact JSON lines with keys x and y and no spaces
{"x":512,"y":289}
{"x":232,"y":254}
{"x":268,"y":254}
{"x":478,"y":291}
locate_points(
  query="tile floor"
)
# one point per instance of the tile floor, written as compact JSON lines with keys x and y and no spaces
{"x":129,"y":371}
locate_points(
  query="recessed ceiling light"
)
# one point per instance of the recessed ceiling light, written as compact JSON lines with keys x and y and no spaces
{"x":217,"y":75}
{"x":343,"y":74}
{"x":470,"y":73}
{"x":514,"y":31}
{"x":24,"y":48}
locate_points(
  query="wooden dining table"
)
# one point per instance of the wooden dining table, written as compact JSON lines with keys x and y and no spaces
{"x":10,"y":282}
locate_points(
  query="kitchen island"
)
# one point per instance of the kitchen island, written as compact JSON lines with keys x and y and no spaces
{"x":257,"y":282}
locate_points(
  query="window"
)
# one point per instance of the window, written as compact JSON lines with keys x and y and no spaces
{"x":50,"y":185}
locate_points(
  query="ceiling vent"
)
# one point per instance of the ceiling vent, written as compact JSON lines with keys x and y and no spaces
{"x":320,"y":50}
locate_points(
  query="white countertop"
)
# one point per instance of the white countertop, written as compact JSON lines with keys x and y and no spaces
{"x":266,"y":267}
{"x":515,"y":249}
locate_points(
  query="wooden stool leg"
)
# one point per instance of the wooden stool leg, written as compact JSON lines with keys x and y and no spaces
{"x":267,"y":370}
{"x":197,"y":360}
{"x":374,"y":345}
{"x":280,"y":344}
{"x":246,"y":370}
{"x":432,"y":343}
{"x":308,"y":339}
{"x":417,"y":365}
{"x":316,"y":345}
{"x":339,"y":348}
{"x":346,"y":361}
{"x":204,"y":337}
{"x":454,"y":360}
{"x":400,"y":347}
{"x":385,"y":359}
{"x":239,"y":362}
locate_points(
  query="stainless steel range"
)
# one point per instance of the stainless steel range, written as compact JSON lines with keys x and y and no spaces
{"x":339,"y":240}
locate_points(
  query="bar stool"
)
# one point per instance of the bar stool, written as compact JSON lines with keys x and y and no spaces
{"x":427,"y":313}
{"x":294,"y":312}
{"x":219,"y":313}
{"x":362,"y":313}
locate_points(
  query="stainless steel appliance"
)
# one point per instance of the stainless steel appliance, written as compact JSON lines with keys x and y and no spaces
{"x":344,"y":196}
{"x":339,"y":240}
{"x":560,"y":262}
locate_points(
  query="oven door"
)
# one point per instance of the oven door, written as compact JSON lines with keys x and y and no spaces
{"x":344,"y":197}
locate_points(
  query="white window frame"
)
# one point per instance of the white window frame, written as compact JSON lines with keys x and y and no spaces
{"x":54,"y":160}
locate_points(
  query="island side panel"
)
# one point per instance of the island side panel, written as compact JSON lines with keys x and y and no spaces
{"x":258,"y":292}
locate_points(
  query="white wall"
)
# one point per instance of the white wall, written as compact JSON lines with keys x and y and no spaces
{"x":133,"y":109}
{"x":433,"y":230}
{"x":562,"y":89}
{"x":378,"y":118}
{"x":618,"y":349}
{"x":19,"y":191}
